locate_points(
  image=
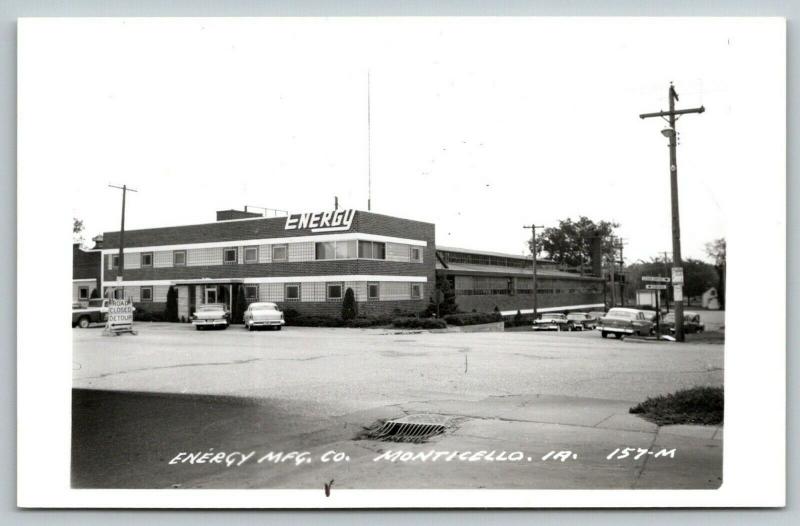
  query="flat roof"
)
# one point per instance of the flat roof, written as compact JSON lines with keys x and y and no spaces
{"x":475,"y":269}
{"x":489,"y":253}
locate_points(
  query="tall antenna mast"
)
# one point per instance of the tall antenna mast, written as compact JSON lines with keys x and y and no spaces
{"x":369,"y":144}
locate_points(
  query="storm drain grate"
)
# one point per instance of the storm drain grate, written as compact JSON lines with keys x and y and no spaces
{"x":411,"y":428}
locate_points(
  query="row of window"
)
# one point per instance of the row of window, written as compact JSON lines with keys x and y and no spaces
{"x":511,"y":292}
{"x":323,"y":251}
{"x":333,"y":291}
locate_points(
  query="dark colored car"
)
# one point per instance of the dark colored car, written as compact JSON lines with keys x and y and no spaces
{"x":581,"y":321}
{"x":691,"y":323}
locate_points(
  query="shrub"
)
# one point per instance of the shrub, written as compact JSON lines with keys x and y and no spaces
{"x":698,"y":405}
{"x":239,"y":306}
{"x":349,"y":308}
{"x":448,"y":298}
{"x":289,"y":315}
{"x":473,"y":318}
{"x":330,"y":321}
{"x":171,"y":312}
{"x":95,"y":294}
{"x":419,"y":323}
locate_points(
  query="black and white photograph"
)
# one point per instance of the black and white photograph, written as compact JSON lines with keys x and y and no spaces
{"x":412,"y":255}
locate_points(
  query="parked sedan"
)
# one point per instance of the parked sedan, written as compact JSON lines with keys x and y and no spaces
{"x":691,"y":323}
{"x":621,"y":321}
{"x":580,"y":321}
{"x":95,"y":312}
{"x":263,"y":315}
{"x":551,"y":322}
{"x":213,"y":315}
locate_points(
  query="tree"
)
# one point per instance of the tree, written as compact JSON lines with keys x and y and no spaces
{"x":239,"y":306}
{"x":717,"y":251}
{"x":698,"y":277}
{"x":570,"y":243}
{"x":171,"y":312}
{"x":349,"y":309}
{"x":77,"y":230}
{"x":95,"y":294}
{"x":448,"y":298}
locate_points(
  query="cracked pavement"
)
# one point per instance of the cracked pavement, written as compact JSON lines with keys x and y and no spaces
{"x":139,"y":400}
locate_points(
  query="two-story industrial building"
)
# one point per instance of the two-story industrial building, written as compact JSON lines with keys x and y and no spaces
{"x":303,"y":261}
{"x":306,"y":262}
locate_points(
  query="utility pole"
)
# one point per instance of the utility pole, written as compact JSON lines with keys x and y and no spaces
{"x":533,"y":266}
{"x":672,"y":135}
{"x":666,"y":275}
{"x":622,"y":271}
{"x":611,"y":268}
{"x":121,"y":256}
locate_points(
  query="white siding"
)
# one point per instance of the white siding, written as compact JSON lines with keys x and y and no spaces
{"x":265,"y":255}
{"x":301,"y":252}
{"x":133,"y":260}
{"x":393,"y":290}
{"x":397,"y":252}
{"x":204,"y":256}
{"x":162,"y":259}
{"x":271,"y":291}
{"x":312,"y":291}
{"x":160,"y":293}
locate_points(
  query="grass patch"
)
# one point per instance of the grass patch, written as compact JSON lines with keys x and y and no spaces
{"x":698,"y":405}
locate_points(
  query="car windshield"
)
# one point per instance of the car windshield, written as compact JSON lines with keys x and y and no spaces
{"x":575,"y":317}
{"x":95,"y":303}
{"x":263,"y":307}
{"x":207,"y":308}
{"x":552,"y":316}
{"x":617,"y":313}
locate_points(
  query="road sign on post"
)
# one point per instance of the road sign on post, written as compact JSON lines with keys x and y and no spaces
{"x":677,"y":293}
{"x":677,"y":275}
{"x":656,"y":279}
{"x":656,"y":287}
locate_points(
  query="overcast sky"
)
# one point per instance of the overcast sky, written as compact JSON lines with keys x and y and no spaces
{"x":478,"y":125}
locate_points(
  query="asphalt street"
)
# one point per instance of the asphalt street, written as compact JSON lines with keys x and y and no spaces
{"x":141,"y":401}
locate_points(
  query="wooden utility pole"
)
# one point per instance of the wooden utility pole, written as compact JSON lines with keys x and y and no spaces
{"x":672,"y":116}
{"x":121,"y":256}
{"x":533,"y":266}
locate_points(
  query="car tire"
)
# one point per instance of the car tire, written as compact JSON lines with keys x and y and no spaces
{"x":618,"y":335}
{"x":277,"y":327}
{"x":83,"y":323}
{"x":604,"y":334}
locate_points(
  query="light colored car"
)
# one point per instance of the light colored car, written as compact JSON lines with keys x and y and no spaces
{"x":213,"y":315}
{"x":96,"y":311}
{"x":551,"y":322}
{"x":263,"y":314}
{"x":580,"y":321}
{"x":620,"y":321}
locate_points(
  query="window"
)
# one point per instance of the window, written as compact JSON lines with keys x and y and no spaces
{"x":334,"y":291}
{"x":371,"y":250}
{"x":115,"y":261}
{"x":231,"y":256}
{"x":83,"y":293}
{"x":179,"y":258}
{"x":279,"y":253}
{"x":251,"y":254}
{"x":292,"y":292}
{"x":416,"y":254}
{"x":146,"y":294}
{"x":147,"y":259}
{"x":211,"y":294}
{"x":373,"y":291}
{"x":251,"y":291}
{"x":335,"y":250}
{"x":416,"y":291}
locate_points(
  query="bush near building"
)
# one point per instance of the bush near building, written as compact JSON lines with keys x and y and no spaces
{"x":349,"y":308}
{"x":171,"y":312}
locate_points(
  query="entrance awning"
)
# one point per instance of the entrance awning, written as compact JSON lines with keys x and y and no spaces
{"x":208,"y":281}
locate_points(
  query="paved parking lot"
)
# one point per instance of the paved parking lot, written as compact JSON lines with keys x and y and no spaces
{"x":141,"y":398}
